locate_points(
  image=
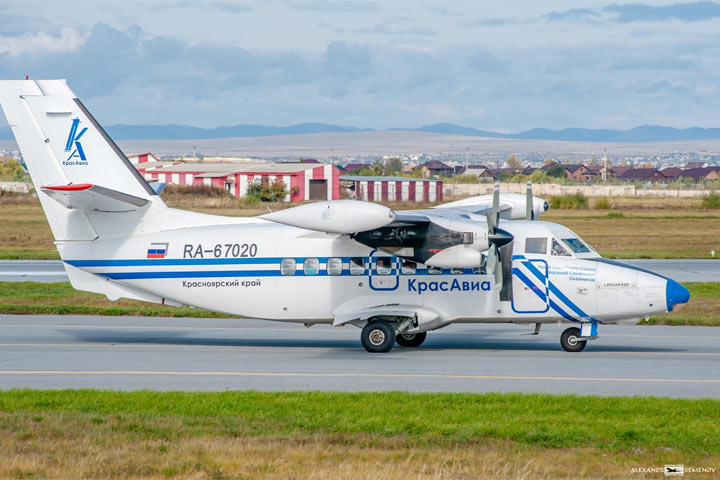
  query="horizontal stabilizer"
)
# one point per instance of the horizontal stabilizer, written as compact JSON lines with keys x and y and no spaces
{"x":86,"y":196}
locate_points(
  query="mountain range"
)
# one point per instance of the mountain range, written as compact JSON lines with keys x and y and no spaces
{"x":644,"y":133}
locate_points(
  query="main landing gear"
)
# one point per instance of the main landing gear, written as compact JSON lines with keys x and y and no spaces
{"x":411,"y":339}
{"x":379,"y":336}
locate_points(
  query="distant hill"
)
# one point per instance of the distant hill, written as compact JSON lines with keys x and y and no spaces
{"x":641,"y":134}
{"x":183,"y":132}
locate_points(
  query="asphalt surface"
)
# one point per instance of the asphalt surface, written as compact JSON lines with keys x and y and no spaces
{"x":678,"y":270}
{"x":129,"y":353}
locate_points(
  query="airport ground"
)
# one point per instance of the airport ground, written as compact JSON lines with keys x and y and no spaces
{"x":630,"y":228}
{"x":311,"y":428}
{"x":248,"y":434}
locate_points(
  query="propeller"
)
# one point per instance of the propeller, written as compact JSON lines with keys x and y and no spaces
{"x":497,"y":238}
{"x":529,"y":211}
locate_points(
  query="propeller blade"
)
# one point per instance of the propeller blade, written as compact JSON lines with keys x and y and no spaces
{"x":529,"y":212}
{"x":494,"y":216}
{"x":494,"y":266}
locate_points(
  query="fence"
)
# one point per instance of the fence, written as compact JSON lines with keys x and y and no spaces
{"x":552,"y":189}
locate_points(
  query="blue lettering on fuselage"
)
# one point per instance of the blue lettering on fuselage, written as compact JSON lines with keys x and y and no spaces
{"x":419,"y":286}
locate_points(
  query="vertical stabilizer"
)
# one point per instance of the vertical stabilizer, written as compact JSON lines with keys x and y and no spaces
{"x":62,"y":144}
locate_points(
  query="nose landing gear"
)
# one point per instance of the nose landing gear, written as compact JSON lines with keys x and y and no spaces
{"x":570,"y":340}
{"x":575,"y":339}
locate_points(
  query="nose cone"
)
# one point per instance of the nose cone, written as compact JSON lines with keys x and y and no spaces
{"x":500,"y":238}
{"x":675,"y":293}
{"x":546,"y":206}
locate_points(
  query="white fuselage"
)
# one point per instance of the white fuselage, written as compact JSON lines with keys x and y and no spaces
{"x":278,"y":272}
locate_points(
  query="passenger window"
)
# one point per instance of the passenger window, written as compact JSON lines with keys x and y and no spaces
{"x":288,"y":267}
{"x":334,"y":266}
{"x":409,"y":267}
{"x":383,"y":265}
{"x":311,"y":266}
{"x":576,"y":245}
{"x":558,"y":249}
{"x":536,"y":245}
{"x":434,"y":270}
{"x":357,"y":266}
{"x":457,"y":271}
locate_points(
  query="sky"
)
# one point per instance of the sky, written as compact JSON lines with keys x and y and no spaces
{"x":503,"y":66}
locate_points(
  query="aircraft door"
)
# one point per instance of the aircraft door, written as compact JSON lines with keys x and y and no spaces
{"x":530,"y":286}
{"x":384,"y":272}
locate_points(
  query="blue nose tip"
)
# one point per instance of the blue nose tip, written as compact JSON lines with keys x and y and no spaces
{"x":675,"y":293}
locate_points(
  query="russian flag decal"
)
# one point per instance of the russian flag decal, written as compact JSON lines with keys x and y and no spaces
{"x":157,"y":250}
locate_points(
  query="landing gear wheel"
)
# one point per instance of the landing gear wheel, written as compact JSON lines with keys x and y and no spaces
{"x":378,"y":337}
{"x":569,"y":340}
{"x":411,"y":339}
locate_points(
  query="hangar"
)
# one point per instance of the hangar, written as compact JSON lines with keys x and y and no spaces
{"x":394,"y":189}
{"x":303,"y":181}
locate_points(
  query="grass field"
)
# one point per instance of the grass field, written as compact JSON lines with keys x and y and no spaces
{"x":60,"y":298}
{"x":631,"y":228}
{"x":86,"y":433}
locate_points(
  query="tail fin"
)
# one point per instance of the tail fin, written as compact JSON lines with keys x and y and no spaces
{"x":62,"y":144}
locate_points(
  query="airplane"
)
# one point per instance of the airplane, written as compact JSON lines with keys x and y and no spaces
{"x":394,"y":275}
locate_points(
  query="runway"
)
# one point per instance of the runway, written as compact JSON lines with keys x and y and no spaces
{"x":681,"y":270}
{"x":129,"y":353}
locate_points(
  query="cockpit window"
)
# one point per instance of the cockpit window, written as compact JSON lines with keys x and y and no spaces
{"x":536,"y":245}
{"x":558,"y":249}
{"x":576,"y":245}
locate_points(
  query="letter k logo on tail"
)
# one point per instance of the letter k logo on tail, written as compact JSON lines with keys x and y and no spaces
{"x":74,"y":141}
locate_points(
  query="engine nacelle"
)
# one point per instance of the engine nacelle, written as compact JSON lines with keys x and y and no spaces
{"x":459,"y":256}
{"x":335,"y":216}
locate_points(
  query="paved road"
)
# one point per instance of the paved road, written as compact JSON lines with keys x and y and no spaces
{"x":679,"y":270}
{"x":32,"y":271}
{"x":128,"y":353}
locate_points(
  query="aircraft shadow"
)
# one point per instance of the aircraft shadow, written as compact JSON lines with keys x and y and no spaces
{"x":440,"y":342}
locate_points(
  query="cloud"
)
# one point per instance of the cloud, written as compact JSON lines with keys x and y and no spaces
{"x":335,"y":6}
{"x":222,"y":5}
{"x":68,"y":40}
{"x":230,"y":7}
{"x":574,"y":15}
{"x":381,"y":29}
{"x":485,"y":62}
{"x":687,"y":12}
{"x":633,"y":62}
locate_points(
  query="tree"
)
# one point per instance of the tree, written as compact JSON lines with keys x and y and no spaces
{"x":393,"y":166}
{"x":548,"y":161}
{"x":12,"y":171}
{"x":593,"y":160}
{"x":539,"y":176}
{"x":513,"y":162}
{"x":558,"y":171}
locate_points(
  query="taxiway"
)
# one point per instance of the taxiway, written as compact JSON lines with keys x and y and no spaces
{"x":129,"y":353}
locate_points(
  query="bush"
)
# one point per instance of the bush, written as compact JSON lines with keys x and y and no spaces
{"x":712,"y":200}
{"x":615,"y":215}
{"x":575,"y":200}
{"x":196,"y":190}
{"x":602,"y":204}
{"x":465,"y":179}
{"x":267,"y":191}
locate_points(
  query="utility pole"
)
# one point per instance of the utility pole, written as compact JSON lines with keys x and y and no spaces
{"x":605,"y":166}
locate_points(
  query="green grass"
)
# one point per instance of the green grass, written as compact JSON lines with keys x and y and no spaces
{"x":552,"y":421}
{"x":569,"y":201}
{"x":60,"y":298}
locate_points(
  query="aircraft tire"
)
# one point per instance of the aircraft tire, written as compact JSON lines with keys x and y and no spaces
{"x":411,"y":340}
{"x":378,"y":337}
{"x":569,"y":340}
